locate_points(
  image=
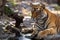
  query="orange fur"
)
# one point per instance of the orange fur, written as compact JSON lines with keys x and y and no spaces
{"x":53,"y":27}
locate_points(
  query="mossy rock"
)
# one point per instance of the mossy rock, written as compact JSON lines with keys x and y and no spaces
{"x":8,"y":11}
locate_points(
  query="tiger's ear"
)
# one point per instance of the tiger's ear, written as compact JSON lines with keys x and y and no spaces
{"x":43,"y":6}
{"x":31,"y":5}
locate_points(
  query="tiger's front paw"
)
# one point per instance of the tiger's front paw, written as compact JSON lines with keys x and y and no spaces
{"x":41,"y":34}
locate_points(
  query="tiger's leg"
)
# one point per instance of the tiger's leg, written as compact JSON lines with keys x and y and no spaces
{"x":27,"y":30}
{"x":31,"y":30}
{"x":44,"y":33}
{"x":34,"y":33}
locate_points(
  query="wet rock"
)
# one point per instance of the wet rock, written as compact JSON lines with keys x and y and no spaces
{"x":13,"y":38}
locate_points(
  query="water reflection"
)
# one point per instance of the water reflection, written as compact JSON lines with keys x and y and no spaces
{"x":24,"y":38}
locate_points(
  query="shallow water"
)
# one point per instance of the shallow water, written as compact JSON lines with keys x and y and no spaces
{"x":24,"y":38}
{"x":19,"y":38}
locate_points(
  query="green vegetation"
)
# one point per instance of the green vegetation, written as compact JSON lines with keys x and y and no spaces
{"x":13,"y":2}
{"x":57,"y":8}
{"x":8,"y":11}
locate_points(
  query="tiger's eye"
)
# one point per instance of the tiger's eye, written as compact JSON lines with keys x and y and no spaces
{"x":38,"y":9}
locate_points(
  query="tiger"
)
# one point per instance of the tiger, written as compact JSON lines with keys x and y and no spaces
{"x":46,"y":22}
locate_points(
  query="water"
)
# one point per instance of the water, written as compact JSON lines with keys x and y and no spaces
{"x":22,"y":37}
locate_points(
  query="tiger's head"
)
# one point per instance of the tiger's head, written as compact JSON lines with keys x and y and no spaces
{"x":39,"y":14}
{"x":37,"y":9}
